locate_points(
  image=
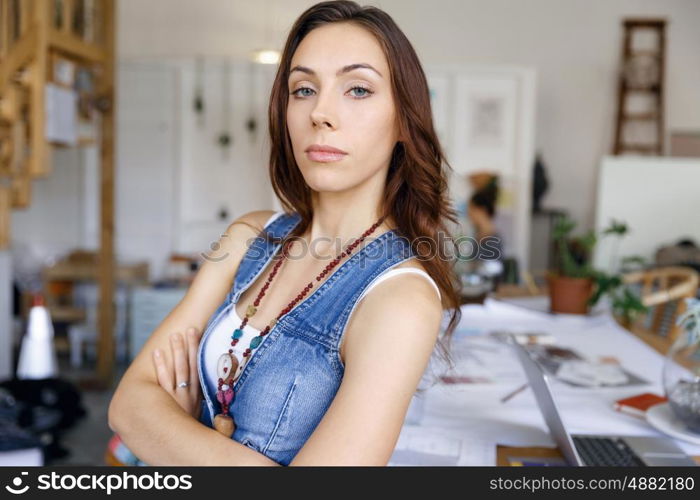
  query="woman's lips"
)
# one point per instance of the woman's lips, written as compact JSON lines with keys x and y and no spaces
{"x":324,"y":156}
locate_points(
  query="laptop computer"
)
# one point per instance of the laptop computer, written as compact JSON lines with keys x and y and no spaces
{"x":597,"y":450}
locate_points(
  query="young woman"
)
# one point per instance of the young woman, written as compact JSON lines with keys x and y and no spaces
{"x":313,"y":355}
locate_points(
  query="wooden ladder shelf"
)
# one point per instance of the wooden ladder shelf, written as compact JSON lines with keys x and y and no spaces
{"x":47,"y":45}
{"x":641,"y":85}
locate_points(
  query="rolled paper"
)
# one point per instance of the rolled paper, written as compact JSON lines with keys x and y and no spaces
{"x":224,"y":424}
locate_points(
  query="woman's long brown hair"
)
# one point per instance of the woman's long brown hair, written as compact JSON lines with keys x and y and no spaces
{"x":416,"y":191}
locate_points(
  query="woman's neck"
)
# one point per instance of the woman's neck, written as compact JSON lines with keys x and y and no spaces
{"x":341,"y":218}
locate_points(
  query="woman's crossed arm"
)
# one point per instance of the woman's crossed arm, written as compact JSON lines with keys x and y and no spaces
{"x":150,"y":421}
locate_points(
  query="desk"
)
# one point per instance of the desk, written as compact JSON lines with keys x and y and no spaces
{"x":65,"y":272}
{"x":517,"y":426}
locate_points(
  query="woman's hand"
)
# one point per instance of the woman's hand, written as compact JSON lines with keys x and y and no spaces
{"x":181,"y":368}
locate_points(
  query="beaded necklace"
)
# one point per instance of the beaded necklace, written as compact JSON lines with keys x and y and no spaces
{"x":228,"y":363}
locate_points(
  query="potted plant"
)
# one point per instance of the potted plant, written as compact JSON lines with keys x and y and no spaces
{"x":625,"y":304}
{"x":571,"y":284}
{"x":576,"y":286}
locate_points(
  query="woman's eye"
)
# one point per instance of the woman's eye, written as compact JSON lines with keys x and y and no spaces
{"x":365,"y":91}
{"x":295,"y":93}
{"x":363,"y":94}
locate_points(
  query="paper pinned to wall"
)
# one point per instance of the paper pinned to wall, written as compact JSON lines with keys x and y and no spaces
{"x":61,"y":115}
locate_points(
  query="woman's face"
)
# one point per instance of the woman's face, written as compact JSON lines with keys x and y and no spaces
{"x":351,"y":109}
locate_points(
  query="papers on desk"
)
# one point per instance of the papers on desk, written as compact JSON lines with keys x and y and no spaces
{"x":475,"y":409}
{"x":435,"y":446}
{"x":480,"y":319}
{"x":569,"y":366}
{"x":481,"y":358}
{"x":582,"y":372}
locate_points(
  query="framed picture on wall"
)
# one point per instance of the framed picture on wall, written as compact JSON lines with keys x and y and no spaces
{"x":485,"y":123}
{"x":486,"y":117}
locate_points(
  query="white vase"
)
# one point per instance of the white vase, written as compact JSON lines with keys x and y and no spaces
{"x":37,"y":357}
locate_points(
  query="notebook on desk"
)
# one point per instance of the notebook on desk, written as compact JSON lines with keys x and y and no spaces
{"x":597,"y":450}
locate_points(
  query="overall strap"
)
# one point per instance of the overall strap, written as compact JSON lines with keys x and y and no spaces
{"x":325,"y":313}
{"x":260,"y":252}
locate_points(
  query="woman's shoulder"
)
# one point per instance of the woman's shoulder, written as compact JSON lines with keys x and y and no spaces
{"x":407,"y":301}
{"x":255,"y":220}
{"x":413,"y":262}
{"x":241,"y":232}
{"x":405,"y":288}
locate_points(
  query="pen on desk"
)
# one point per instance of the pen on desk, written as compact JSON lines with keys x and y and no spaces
{"x":511,"y":394}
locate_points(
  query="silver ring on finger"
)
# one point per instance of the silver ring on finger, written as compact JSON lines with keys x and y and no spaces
{"x":183,"y":384}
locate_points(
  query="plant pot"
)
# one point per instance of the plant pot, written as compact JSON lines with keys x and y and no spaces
{"x":569,"y":295}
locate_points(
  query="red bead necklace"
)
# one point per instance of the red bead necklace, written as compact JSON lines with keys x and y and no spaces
{"x":227,"y":364}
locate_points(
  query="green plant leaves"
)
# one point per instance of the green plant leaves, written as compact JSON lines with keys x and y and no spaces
{"x":574,"y":261}
{"x":604,"y":283}
{"x":616,"y":227}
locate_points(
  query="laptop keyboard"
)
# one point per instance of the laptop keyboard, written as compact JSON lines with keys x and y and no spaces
{"x":606,"y":451}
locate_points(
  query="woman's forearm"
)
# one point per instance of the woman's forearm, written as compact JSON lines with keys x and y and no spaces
{"x":158,"y":431}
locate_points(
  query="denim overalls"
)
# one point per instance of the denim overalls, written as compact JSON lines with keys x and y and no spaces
{"x":293,"y":376}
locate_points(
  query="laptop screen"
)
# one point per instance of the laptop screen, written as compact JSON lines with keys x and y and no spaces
{"x":539,"y":384}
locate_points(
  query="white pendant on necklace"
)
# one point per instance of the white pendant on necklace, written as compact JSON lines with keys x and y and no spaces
{"x":226,"y":366}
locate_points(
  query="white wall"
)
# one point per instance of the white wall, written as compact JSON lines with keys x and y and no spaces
{"x":212,"y":178}
{"x":53,"y":223}
{"x":573,"y":45}
{"x":656,"y":197}
{"x":146,"y":177}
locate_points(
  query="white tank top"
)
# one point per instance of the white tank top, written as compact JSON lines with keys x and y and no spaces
{"x":393,"y":272}
{"x":219,"y":340}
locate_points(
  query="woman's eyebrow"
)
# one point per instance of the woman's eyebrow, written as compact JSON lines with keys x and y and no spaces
{"x":341,"y":71}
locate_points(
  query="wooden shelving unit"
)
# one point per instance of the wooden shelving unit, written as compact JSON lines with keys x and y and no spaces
{"x":58,"y":43}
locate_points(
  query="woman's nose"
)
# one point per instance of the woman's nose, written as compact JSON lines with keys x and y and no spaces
{"x":322,"y":116}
